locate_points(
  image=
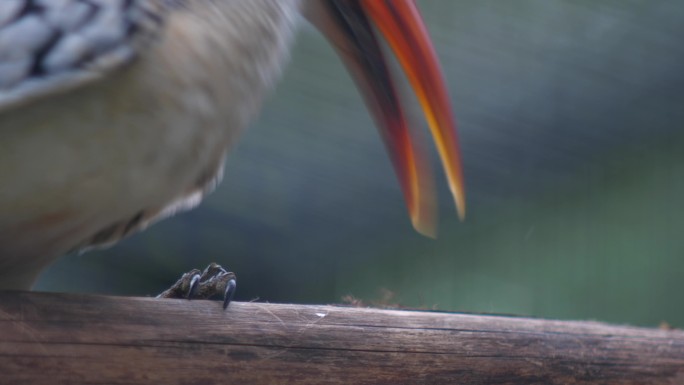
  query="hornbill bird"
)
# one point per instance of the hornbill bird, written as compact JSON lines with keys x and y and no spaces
{"x":115,"y":114}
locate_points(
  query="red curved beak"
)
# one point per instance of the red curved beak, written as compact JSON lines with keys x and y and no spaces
{"x":351,"y":26}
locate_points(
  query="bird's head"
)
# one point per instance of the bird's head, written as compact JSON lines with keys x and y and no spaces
{"x":353,"y":27}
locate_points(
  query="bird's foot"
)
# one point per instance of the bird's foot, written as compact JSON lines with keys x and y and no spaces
{"x":196,"y":284}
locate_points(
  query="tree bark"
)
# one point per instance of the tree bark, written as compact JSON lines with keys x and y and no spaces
{"x":48,"y":338}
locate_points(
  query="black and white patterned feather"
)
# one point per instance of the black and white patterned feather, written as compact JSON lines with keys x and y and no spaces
{"x":48,"y":46}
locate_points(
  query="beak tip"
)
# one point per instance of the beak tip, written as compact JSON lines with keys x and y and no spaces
{"x":461,"y":210}
{"x":424,"y":221}
{"x":428,"y":230}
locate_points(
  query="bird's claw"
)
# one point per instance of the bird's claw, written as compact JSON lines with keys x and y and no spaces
{"x":186,"y":286}
{"x":194,"y":285}
{"x":229,"y":293}
{"x":212,"y":281}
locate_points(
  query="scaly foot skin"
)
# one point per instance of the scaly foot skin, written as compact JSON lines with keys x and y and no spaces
{"x":205,"y":284}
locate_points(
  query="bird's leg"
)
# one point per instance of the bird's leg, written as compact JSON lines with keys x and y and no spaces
{"x":212,"y":281}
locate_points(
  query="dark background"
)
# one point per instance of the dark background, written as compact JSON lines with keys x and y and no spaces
{"x":570,"y":116}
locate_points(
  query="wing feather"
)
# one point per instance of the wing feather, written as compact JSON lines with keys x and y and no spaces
{"x":52,"y":46}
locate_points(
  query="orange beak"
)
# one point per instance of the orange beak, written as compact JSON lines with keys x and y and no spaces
{"x":349,"y":25}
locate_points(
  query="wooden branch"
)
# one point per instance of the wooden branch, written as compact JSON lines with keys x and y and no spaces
{"x":70,"y":339}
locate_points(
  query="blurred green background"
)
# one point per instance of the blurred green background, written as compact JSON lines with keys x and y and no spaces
{"x":571,"y":121}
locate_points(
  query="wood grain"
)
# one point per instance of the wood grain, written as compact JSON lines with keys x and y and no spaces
{"x":69,"y":338}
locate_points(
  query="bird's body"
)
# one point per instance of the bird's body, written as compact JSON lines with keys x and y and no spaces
{"x":116,"y":113}
{"x":91,"y":165}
